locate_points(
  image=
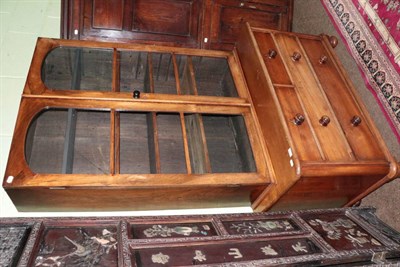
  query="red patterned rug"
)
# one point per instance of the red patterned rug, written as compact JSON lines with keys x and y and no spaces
{"x":371,"y":31}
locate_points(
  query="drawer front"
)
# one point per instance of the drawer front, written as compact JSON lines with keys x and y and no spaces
{"x":304,"y":140}
{"x":299,"y":127}
{"x":322,"y":119}
{"x":351,"y":118}
{"x":272,"y":59}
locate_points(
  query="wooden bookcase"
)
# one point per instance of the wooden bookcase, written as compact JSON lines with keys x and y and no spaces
{"x":112,"y":126}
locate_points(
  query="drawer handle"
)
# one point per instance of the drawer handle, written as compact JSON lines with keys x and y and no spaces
{"x":298,"y":119}
{"x":333,"y":41}
{"x":136,"y":94}
{"x":324,"y":121}
{"x":356,"y":120}
{"x":296,"y":56}
{"x":323,"y":59}
{"x":272,"y":53}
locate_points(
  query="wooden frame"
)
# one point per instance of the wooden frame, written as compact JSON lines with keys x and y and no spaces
{"x":135,"y":188}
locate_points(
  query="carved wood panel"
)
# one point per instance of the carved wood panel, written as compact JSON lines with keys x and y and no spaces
{"x":317,"y":237}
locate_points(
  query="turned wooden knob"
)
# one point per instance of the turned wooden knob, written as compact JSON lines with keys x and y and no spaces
{"x":356,"y":120}
{"x":333,"y":41}
{"x":323,"y":59}
{"x":324,"y":121}
{"x":296,"y":56}
{"x":272,"y":53}
{"x":298,"y":119}
{"x":136,"y":94}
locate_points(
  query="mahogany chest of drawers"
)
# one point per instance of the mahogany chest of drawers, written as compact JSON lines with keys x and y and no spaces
{"x":324,"y":149}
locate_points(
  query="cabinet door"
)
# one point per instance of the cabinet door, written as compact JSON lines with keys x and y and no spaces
{"x":164,"y":21}
{"x":226,"y":17}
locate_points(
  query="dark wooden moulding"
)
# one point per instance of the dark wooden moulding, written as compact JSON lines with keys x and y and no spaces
{"x":347,"y":236}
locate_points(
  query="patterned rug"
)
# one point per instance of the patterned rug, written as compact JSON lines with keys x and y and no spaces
{"x":371,"y":31}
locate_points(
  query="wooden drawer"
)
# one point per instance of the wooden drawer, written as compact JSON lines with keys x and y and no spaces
{"x":299,"y":128}
{"x":312,"y":104}
{"x":351,"y":118}
{"x":315,"y":104}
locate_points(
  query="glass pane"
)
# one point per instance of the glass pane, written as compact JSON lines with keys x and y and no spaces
{"x":154,"y":73}
{"x":213,"y":77}
{"x":44,"y":146}
{"x":133,"y":67}
{"x":228,"y":144}
{"x":78,"y":69}
{"x":147,"y":72}
{"x":134,"y":142}
{"x":92,"y":142}
{"x":172,"y":153}
{"x":69,"y":141}
{"x":151,"y":143}
{"x":163,"y":74}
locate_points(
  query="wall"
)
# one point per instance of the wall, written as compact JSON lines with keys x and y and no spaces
{"x":21,"y":23}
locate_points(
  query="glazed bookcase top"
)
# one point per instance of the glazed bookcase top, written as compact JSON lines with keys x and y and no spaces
{"x":101,"y":116}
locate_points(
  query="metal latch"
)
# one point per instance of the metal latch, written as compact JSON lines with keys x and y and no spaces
{"x":379,"y":257}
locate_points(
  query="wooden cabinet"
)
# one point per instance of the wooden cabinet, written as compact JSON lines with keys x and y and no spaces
{"x":324,"y":148}
{"x":345,"y":237}
{"x":190,"y":23}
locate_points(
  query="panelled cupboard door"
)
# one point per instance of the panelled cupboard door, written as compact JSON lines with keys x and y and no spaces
{"x":114,"y":126}
{"x":166,"y":21}
{"x":331,"y":145}
{"x":210,"y":24}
